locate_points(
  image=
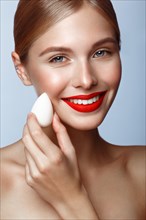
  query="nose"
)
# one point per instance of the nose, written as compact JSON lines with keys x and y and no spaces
{"x":84,"y":76}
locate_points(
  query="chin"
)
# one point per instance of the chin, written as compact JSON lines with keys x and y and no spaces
{"x":84,"y":123}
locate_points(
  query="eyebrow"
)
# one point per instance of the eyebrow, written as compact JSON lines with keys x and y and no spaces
{"x":66,"y":49}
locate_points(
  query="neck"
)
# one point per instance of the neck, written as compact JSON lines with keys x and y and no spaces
{"x":84,"y":142}
{"x":89,"y":146}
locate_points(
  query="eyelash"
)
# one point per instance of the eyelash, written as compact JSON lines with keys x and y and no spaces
{"x":61,"y":58}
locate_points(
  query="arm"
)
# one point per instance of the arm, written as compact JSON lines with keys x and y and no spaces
{"x":52,"y":171}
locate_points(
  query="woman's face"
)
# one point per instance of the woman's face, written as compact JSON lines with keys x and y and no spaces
{"x":76,"y":62}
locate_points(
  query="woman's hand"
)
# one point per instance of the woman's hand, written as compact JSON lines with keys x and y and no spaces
{"x":52,"y":171}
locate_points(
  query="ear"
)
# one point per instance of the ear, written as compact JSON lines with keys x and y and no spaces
{"x":21,"y":70}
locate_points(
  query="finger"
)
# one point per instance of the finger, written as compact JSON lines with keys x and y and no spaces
{"x":38,"y":156}
{"x":33,"y":170}
{"x":63,"y":138}
{"x":40,"y":138}
{"x":28,"y":177}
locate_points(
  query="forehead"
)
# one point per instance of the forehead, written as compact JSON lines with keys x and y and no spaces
{"x":85,"y":25}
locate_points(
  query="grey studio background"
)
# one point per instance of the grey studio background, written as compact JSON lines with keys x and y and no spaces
{"x":125,"y":122}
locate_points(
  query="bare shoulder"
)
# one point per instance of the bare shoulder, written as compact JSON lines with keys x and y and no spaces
{"x":6,"y":169}
{"x":136,"y":169}
{"x":136,"y":161}
{"x":10,"y":153}
{"x":10,"y":165}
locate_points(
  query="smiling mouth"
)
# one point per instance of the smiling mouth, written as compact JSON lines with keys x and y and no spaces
{"x":86,"y":103}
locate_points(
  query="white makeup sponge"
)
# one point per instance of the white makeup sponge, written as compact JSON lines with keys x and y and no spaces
{"x":43,"y":110}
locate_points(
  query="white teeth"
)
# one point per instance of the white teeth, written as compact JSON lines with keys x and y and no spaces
{"x":79,"y":101}
{"x":94,"y":99}
{"x":84,"y":102}
{"x":90,"y":101}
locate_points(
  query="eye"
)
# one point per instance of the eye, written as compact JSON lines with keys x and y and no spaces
{"x":101,"y":53}
{"x":58,"y":59}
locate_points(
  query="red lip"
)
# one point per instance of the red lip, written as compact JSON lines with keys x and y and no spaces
{"x":85,"y":97}
{"x":86,"y":108}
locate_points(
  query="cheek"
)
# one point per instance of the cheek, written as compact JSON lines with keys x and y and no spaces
{"x":113,"y":79}
{"x":112,"y":74}
{"x":50,"y":83}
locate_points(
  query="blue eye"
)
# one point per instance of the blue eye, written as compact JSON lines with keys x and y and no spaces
{"x":58,"y":59}
{"x":100,"y":53}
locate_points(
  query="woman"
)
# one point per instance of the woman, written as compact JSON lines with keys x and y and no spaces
{"x":70,"y":50}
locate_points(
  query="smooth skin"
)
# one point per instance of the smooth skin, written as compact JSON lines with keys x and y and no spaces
{"x":67,"y":171}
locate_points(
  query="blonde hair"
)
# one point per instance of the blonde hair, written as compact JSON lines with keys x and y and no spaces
{"x":33,"y":18}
